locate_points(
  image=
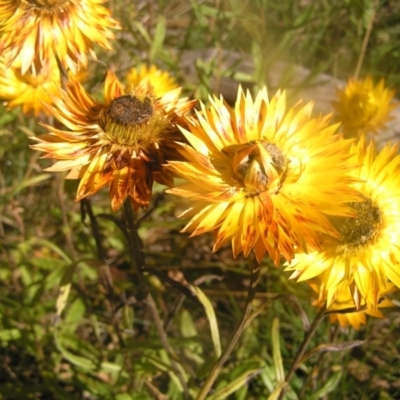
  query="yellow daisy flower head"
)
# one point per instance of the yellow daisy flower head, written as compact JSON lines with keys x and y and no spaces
{"x":363,"y":107}
{"x":27,"y":90}
{"x":33,"y":32}
{"x":159,"y":82}
{"x":342,"y":308}
{"x":367,"y":255}
{"x":121,"y":142}
{"x":261,"y":176}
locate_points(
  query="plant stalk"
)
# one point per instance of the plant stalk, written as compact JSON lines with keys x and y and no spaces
{"x":241,"y":326}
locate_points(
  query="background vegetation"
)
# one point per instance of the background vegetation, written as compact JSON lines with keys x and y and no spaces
{"x":107,"y":344}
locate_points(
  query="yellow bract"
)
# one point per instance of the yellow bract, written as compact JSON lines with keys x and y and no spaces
{"x":33,"y":33}
{"x":28,"y":90}
{"x":342,"y":308}
{"x":122,"y":142}
{"x":367,"y":255}
{"x":263,"y":177}
{"x":363,"y":107}
{"x":158,"y":81}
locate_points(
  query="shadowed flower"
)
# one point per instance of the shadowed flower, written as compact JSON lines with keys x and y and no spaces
{"x":263,"y":177}
{"x":121,"y":142}
{"x":367,"y":255}
{"x":158,"y":81}
{"x":33,"y":32}
{"x":363,"y":107}
{"x":342,"y":308}
{"x":27,"y":90}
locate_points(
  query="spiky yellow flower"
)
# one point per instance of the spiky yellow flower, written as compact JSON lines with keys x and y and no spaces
{"x":121,"y":142}
{"x":367,"y":255}
{"x":363,"y":107}
{"x":342,"y":308}
{"x":263,"y":177}
{"x":27,"y":90}
{"x":159,"y":82}
{"x":33,"y":32}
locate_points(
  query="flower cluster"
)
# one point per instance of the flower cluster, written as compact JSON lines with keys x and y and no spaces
{"x":267,"y":179}
{"x":38,"y":36}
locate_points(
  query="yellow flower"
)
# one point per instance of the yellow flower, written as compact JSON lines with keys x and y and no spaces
{"x":122,"y":142}
{"x":27,"y":90}
{"x":263,"y":177}
{"x":342,"y":308}
{"x":363,"y":107}
{"x":33,"y":32}
{"x":367,"y":255}
{"x":159,"y":82}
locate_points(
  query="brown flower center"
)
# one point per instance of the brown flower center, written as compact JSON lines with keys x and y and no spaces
{"x":129,"y":110}
{"x":361,"y":229}
{"x":133,"y":122}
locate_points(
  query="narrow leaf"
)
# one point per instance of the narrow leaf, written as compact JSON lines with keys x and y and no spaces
{"x":65,"y":288}
{"x":159,"y":37}
{"x":234,"y":385}
{"x":329,"y":386}
{"x":212,"y":320}
{"x":276,"y":351}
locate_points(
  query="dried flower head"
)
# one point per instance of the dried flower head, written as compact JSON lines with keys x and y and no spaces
{"x":121,"y":142}
{"x":263,"y":177}
{"x":34,"y":32}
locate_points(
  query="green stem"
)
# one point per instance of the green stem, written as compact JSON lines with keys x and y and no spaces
{"x":135,"y":249}
{"x":241,"y":326}
{"x":366,"y":39}
{"x":303,"y":347}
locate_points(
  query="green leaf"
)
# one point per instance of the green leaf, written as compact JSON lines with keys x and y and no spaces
{"x":159,"y":37}
{"x":276,"y":351}
{"x":9,"y":334}
{"x":277,"y":391}
{"x":29,"y":182}
{"x":212,"y":319}
{"x":329,"y":386}
{"x":234,"y":385}
{"x":65,"y":288}
{"x":86,"y":363}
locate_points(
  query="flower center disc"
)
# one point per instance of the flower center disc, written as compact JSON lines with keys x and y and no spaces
{"x":129,"y":110}
{"x":362,"y":228}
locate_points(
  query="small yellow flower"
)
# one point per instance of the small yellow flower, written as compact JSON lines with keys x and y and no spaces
{"x":363,"y":107}
{"x":121,"y":142}
{"x":34,"y":32}
{"x":263,"y":177}
{"x":158,"y":81}
{"x":27,"y":90}
{"x":342,"y":308}
{"x":367,"y":255}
